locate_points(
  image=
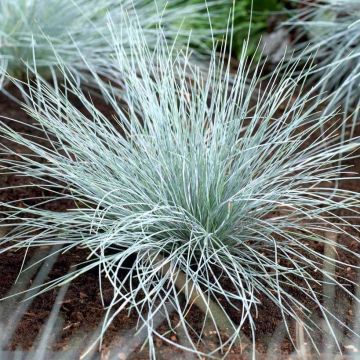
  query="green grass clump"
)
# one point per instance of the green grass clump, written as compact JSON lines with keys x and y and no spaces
{"x":246,"y":14}
{"x":331,"y":29}
{"x":202,"y":185}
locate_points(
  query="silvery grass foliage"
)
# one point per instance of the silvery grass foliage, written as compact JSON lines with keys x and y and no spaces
{"x":30,"y":30}
{"x":191,"y":194}
{"x":332,"y":28}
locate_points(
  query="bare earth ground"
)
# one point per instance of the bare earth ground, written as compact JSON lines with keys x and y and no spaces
{"x":81,"y":309}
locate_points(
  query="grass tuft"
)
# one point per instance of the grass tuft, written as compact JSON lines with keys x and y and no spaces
{"x":332,"y":29}
{"x":231,"y":199}
{"x":33,"y":31}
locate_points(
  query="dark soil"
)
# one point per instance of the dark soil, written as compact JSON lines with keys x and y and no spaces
{"x":81,"y":310}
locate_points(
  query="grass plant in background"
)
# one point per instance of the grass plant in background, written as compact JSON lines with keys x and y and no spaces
{"x":31,"y":30}
{"x":205,"y":197}
{"x":247,"y":13}
{"x":332,"y":32}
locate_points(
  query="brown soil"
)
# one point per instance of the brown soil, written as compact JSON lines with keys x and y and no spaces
{"x":81,"y":309}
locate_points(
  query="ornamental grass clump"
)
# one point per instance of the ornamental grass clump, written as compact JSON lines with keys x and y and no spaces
{"x":246,"y":13}
{"x":332,"y":32}
{"x":30,"y":31}
{"x":191,"y":194}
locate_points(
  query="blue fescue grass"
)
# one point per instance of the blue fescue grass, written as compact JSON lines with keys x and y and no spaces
{"x":332,"y":28}
{"x":30,"y":31}
{"x":204,"y":188}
